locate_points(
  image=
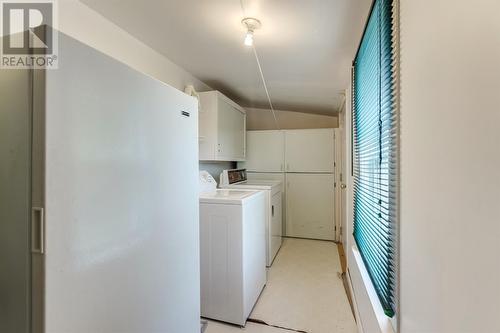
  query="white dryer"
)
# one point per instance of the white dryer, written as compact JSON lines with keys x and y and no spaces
{"x":237,"y":179}
{"x":232,"y":252}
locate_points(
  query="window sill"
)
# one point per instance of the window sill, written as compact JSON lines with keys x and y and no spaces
{"x":386,"y":324}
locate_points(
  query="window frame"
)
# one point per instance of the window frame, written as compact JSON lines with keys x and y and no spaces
{"x":394,"y":149}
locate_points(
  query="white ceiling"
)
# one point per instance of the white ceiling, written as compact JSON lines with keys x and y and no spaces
{"x":305,"y":46}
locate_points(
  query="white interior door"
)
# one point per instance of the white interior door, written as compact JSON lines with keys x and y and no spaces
{"x":310,"y":150}
{"x":265,"y":151}
{"x":310,"y":206}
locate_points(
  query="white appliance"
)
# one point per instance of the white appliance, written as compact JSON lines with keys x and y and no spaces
{"x":237,"y":179}
{"x":232,"y":252}
{"x":98,"y":232}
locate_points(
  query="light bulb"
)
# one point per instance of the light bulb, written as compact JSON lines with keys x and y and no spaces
{"x":249,"y":38}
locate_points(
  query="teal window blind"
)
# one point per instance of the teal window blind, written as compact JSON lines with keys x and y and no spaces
{"x":375,"y":152}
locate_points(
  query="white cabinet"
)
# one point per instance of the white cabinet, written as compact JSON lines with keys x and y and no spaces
{"x":265,"y":151}
{"x":222,"y":128}
{"x":310,"y":206}
{"x":307,"y":150}
{"x":306,"y":158}
{"x":310,"y":150}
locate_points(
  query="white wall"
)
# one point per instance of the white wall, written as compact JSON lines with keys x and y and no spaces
{"x":88,"y":26}
{"x":450,"y":159}
{"x":450,"y":189}
{"x":262,"y":119}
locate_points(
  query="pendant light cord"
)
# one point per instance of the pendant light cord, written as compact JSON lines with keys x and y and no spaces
{"x":265,"y":88}
{"x":261,"y":72}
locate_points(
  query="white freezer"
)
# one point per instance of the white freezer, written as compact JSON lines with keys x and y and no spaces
{"x":121,"y":229}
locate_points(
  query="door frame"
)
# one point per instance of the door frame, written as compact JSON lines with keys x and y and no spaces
{"x":38,"y":87}
{"x":339,"y":174}
{"x":341,"y":158}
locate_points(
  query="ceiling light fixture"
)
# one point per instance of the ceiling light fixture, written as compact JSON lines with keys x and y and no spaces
{"x":251,"y":24}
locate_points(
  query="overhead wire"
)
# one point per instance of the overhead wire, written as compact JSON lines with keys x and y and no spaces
{"x":262,"y":77}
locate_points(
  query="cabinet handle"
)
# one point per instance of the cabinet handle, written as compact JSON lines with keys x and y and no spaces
{"x":37,"y":230}
{"x":272,"y":210}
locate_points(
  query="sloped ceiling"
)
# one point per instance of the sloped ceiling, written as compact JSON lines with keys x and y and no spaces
{"x":305,"y":46}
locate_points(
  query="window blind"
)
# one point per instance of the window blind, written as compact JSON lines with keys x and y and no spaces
{"x":375,"y":150}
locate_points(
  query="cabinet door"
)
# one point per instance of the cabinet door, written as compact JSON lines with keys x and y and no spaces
{"x":309,"y":150}
{"x":207,"y":126}
{"x":310,"y":206}
{"x":265,"y":151}
{"x":231,"y":133}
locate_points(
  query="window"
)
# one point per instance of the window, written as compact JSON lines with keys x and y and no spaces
{"x":375,"y":151}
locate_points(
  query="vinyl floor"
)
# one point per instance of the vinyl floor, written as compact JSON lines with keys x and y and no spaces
{"x":304,"y":293}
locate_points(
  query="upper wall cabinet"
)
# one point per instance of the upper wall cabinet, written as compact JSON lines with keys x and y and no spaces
{"x":222,"y":126}
{"x":303,"y":151}
{"x":310,"y":150}
{"x":265,"y":151}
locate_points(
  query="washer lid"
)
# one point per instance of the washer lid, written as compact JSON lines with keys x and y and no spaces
{"x":273,"y":185}
{"x":245,"y":186}
{"x":262,"y":182}
{"x":229,"y":197}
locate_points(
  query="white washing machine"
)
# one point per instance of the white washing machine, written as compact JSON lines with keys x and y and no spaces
{"x":232,"y":251}
{"x":237,"y":179}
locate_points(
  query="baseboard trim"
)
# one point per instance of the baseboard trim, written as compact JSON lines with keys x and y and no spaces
{"x":354,"y":304}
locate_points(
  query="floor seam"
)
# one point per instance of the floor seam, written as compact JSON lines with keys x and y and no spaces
{"x":261,"y":322}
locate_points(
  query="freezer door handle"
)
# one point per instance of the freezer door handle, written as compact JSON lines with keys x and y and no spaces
{"x":37,"y":230}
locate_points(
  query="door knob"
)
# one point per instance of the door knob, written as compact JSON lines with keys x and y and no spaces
{"x":343,"y":186}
